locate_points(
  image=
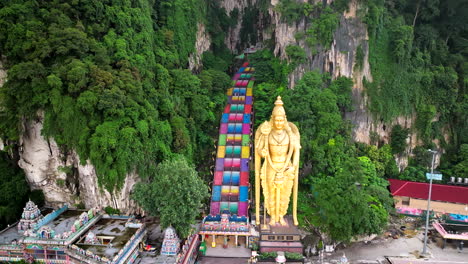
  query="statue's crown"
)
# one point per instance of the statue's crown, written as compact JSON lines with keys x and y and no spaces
{"x":278,"y":110}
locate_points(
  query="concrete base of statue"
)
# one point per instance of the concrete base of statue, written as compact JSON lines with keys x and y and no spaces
{"x":280,"y":237}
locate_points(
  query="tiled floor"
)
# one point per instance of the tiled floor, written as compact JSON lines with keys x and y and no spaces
{"x":214,"y":260}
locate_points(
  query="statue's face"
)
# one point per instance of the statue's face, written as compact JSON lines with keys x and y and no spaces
{"x":278,"y":122}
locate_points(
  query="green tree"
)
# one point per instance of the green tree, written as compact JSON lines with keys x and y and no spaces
{"x":414,"y":173}
{"x":14,"y":191}
{"x":346,"y":202}
{"x":315,"y":108}
{"x":398,"y":139}
{"x":461,"y":168}
{"x":175,"y":194}
{"x":291,"y":10}
{"x":382,"y":158}
{"x":268,"y":68}
{"x":296,"y":55}
{"x":321,"y":31}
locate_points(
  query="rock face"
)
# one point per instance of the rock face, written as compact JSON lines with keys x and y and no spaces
{"x":338,"y":59}
{"x":63,"y":179}
{"x":3,"y":75}
{"x":202,"y":44}
{"x":233,"y":41}
{"x":61,"y":176}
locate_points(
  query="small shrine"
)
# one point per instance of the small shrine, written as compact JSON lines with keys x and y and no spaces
{"x":91,"y":238}
{"x":30,"y":216}
{"x":170,"y":246}
{"x":84,"y":218}
{"x":45,"y":232}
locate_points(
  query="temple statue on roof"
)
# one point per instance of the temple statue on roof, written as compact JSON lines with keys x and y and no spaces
{"x":91,"y":238}
{"x":30,"y":216}
{"x":171,"y":243}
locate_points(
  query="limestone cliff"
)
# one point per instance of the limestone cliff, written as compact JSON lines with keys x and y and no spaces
{"x":62,"y":177}
{"x":3,"y":75}
{"x":338,"y":59}
{"x":233,"y":40}
{"x":202,"y":44}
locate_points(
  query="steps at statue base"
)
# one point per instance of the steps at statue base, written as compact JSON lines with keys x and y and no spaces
{"x":280,"y":238}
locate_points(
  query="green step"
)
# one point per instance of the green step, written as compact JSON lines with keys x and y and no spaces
{"x":245,"y":140}
{"x":222,"y":140}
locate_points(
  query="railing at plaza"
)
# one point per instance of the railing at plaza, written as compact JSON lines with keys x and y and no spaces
{"x":86,"y":256}
{"x":65,"y":241}
{"x":50,"y":217}
{"x":130,"y":245}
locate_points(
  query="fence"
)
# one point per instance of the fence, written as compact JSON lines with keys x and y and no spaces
{"x":50,"y":217}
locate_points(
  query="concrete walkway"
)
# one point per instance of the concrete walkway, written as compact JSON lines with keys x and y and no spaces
{"x":400,"y":248}
{"x":230,"y":252}
{"x":213,"y":260}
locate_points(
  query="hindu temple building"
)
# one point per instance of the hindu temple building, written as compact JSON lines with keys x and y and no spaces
{"x":72,"y":236}
{"x":30,"y":216}
{"x":171,"y":243}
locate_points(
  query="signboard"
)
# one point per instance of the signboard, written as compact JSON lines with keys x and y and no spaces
{"x":435,"y":176}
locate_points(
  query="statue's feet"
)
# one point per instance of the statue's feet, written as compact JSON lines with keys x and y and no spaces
{"x":272,"y":222}
{"x":282,"y":221}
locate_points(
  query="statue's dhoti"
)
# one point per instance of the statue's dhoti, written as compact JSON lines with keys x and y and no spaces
{"x":277,"y":186}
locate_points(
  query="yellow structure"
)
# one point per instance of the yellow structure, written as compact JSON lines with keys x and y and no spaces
{"x":277,"y":145}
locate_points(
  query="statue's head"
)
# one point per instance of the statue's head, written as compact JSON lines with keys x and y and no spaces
{"x":278,"y":116}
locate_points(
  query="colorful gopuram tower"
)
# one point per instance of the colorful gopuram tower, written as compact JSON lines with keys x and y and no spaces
{"x":30,"y":216}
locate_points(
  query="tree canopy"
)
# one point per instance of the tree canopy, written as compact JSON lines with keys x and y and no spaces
{"x":110,"y":78}
{"x":175,"y":194}
{"x":14,"y":191}
{"x":338,"y":186}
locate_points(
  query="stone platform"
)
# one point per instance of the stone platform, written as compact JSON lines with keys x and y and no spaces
{"x":281,"y":238}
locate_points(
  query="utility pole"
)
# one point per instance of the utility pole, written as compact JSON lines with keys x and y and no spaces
{"x":424,"y":252}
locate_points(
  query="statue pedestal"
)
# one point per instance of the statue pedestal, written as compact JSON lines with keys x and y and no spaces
{"x":281,"y":238}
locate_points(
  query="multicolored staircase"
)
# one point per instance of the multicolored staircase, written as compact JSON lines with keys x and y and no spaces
{"x":231,"y":177}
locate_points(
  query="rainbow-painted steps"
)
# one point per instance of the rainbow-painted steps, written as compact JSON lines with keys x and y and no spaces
{"x":231,"y":178}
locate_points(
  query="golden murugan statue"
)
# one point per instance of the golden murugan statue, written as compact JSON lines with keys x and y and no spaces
{"x":277,"y":142}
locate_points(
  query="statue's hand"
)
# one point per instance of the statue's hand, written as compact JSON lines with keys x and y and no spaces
{"x":264,"y":153}
{"x":290,"y":172}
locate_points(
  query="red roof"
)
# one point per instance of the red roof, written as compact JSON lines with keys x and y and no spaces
{"x":420,"y":190}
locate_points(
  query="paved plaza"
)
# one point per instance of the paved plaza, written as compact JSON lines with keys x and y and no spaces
{"x":402,"y":251}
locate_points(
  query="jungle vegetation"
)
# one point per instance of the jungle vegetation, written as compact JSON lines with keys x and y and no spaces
{"x":110,"y":81}
{"x":418,"y":69}
{"x":14,"y":191}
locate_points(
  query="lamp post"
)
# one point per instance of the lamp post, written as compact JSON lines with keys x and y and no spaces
{"x":424,"y":252}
